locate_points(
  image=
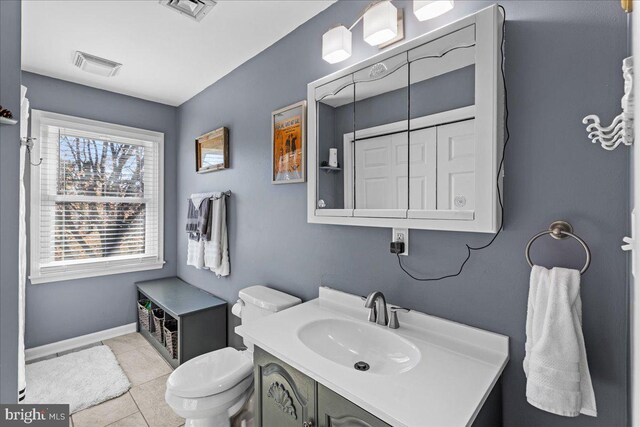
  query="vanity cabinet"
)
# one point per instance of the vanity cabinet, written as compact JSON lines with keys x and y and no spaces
{"x":336,"y":411}
{"x":285,"y":397}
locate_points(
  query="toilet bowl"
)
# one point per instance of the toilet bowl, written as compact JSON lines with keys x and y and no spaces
{"x":209,"y":389}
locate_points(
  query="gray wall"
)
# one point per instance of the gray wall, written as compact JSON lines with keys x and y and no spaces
{"x":61,"y":310}
{"x":563,"y":62}
{"x":9,"y":155}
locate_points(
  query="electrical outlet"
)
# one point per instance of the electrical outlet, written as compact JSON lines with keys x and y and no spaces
{"x":401,"y":235}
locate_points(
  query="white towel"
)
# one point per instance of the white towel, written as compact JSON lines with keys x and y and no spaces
{"x":195,"y":253}
{"x":216,"y":250}
{"x":558,"y":379}
{"x":214,"y":253}
{"x":199,"y":197}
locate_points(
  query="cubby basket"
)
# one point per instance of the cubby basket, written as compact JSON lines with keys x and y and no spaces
{"x":171,"y":337}
{"x":144,"y":317}
{"x":158,"y":323}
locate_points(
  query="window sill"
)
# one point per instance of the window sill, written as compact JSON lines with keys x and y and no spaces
{"x":82,"y":274}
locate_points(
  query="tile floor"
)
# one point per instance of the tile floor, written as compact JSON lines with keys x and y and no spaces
{"x":143,"y":405}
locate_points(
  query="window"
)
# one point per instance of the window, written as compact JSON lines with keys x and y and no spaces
{"x":96,"y":199}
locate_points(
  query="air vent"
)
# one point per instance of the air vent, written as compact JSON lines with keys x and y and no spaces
{"x":194,"y":9}
{"x":96,"y":65}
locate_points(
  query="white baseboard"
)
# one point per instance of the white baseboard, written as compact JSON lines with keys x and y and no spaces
{"x":71,"y":343}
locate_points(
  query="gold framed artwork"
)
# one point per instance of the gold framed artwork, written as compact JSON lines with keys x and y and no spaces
{"x":289,"y":144}
{"x":212,"y":151}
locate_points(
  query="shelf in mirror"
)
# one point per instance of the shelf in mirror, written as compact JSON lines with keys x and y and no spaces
{"x":6,"y":121}
{"x":330,"y":169}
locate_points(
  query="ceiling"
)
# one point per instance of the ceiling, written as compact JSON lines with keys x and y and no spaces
{"x":166,"y":57}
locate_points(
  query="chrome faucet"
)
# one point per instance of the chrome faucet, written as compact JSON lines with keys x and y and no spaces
{"x":378,"y":306}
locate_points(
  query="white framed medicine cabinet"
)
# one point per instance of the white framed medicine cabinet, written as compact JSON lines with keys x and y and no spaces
{"x":418,"y":130}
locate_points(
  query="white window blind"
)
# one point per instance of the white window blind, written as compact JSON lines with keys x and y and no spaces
{"x":96,"y":199}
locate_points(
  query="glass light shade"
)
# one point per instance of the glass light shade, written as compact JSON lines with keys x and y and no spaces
{"x":336,"y":44}
{"x":427,"y":9}
{"x":380,"y":23}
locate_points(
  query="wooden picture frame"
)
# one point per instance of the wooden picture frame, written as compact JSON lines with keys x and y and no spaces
{"x":212,"y":151}
{"x":289,"y":144}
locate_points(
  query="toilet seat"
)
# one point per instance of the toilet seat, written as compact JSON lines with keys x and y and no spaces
{"x":211,"y":411}
{"x":210,"y":374}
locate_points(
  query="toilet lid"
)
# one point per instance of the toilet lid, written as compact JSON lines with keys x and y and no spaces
{"x":210,"y":373}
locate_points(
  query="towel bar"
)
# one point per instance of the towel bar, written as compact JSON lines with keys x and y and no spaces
{"x":224,"y":193}
{"x":560,"y":230}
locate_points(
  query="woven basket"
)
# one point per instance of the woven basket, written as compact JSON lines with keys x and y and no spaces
{"x":171,"y":337}
{"x":143,"y":314}
{"x":158,"y":323}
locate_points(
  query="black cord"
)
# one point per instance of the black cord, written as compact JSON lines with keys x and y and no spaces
{"x":500,"y":167}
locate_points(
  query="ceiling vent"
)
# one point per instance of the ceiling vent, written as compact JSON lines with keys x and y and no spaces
{"x":194,"y":9}
{"x":96,"y":65}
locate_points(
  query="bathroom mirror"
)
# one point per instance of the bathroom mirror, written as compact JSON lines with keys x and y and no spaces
{"x":336,"y":117}
{"x":442,"y":131}
{"x":376,"y":153}
{"x":412,"y":137}
{"x":212,"y":151}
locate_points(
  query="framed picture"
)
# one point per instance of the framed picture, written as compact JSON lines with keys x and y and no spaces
{"x":289,"y":144}
{"x":212,"y":151}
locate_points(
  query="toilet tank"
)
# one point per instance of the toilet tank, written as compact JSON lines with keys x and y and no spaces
{"x":259,"y":301}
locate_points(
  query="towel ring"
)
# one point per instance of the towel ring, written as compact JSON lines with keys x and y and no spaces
{"x":560,"y":230}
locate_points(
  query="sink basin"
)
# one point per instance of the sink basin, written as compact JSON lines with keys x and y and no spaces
{"x":347,"y":342}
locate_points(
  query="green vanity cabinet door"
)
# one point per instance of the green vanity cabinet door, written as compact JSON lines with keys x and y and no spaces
{"x":284,"y":396}
{"x":336,"y":411}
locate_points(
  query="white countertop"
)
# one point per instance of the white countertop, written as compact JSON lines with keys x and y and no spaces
{"x":458,"y":367}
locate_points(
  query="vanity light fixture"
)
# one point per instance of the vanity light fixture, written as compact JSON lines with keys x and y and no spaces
{"x":429,"y":9}
{"x":336,"y":44}
{"x":380,"y":23}
{"x":383,"y":26}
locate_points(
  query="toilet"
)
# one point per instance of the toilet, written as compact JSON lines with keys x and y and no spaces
{"x":211,"y":388}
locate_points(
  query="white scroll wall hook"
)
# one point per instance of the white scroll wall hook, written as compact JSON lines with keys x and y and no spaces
{"x":620,"y":131}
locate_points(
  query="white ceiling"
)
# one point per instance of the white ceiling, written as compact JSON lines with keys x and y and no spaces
{"x":167,"y":57}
